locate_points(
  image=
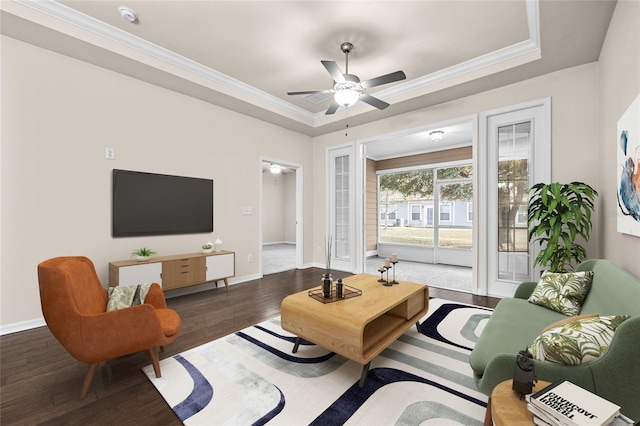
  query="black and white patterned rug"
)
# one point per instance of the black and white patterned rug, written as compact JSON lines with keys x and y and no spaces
{"x":252,"y":377}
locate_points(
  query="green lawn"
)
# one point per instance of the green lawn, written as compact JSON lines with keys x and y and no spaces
{"x":454,"y":238}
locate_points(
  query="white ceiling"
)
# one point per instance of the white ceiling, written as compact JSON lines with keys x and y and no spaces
{"x":246,"y":55}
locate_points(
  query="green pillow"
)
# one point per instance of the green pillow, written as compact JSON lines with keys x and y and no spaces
{"x":562,"y":292}
{"x":576,"y":342}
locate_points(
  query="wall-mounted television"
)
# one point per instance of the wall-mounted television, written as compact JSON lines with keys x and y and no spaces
{"x":157,"y":204}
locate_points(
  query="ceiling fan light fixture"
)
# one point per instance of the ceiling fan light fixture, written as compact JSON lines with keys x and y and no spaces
{"x":275,"y":169}
{"x":346,"y":97}
{"x":436,"y":135}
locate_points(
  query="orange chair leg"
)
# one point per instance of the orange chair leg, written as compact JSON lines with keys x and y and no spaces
{"x":153,"y":354}
{"x":88,"y":379}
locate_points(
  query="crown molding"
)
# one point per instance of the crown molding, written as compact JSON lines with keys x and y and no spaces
{"x":260,"y":98}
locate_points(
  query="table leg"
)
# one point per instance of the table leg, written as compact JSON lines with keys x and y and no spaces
{"x":418,"y":326}
{"x":365,"y":373}
{"x":296,"y":345}
{"x":488,"y":418}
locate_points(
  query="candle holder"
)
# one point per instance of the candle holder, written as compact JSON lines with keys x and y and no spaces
{"x":381,"y":270}
{"x":394,"y":273}
{"x":387,"y":283}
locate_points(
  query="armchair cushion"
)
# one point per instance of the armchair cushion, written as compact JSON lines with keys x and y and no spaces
{"x":562,"y":292}
{"x":576,"y":342}
{"x":169,"y":321}
{"x":125,"y":296}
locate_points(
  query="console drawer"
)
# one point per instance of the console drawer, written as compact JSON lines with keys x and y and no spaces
{"x":183,"y":272}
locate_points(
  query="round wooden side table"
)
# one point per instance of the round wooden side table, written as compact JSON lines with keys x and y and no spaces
{"x":506,"y":408}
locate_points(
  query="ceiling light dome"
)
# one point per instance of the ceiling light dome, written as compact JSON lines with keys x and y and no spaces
{"x":346,"y":97}
{"x":436,"y":135}
{"x":275,"y":169}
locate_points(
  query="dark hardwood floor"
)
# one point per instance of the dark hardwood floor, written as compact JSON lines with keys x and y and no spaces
{"x":41,"y":382}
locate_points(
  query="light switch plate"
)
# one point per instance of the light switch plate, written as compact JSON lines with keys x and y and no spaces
{"x":247,"y":211}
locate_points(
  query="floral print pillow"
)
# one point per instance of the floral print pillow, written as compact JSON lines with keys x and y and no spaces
{"x":576,"y":342}
{"x":124,"y":296}
{"x":562,"y":292}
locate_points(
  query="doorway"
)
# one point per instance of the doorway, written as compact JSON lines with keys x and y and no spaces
{"x":404,"y":151}
{"x":281,"y":216}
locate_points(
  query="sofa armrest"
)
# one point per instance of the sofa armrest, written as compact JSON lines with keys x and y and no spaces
{"x":610,"y":376}
{"x":524,"y":290}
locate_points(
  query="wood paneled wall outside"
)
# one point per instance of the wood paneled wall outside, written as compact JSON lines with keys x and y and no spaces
{"x":371,"y":217}
{"x":426,"y":159}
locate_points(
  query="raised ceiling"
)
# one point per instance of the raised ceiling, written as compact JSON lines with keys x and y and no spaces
{"x":245,"y":55}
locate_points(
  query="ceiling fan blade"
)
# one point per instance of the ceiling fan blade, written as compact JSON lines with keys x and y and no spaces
{"x":308,"y":92}
{"x":334,"y":70}
{"x":383,"y":79}
{"x":332,"y":108}
{"x":373,"y":101}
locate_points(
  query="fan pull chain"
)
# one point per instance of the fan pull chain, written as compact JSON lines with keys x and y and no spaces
{"x":346,"y":119}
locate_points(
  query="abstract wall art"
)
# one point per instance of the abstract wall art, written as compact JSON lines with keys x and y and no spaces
{"x":628,"y":158}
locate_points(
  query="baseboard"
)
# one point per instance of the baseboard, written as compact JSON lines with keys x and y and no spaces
{"x":22,"y":326}
{"x":273,"y":243}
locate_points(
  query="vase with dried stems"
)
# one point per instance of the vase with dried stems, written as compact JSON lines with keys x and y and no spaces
{"x":327,"y":281}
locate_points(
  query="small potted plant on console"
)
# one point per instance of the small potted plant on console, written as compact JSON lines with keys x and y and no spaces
{"x":143,"y":254}
{"x":207,"y":247}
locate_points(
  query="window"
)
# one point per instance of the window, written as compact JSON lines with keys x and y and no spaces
{"x":521,"y":217}
{"x":388,"y":212}
{"x":513,"y":180}
{"x":469,"y":212}
{"x":416,"y":212}
{"x":445,"y":212}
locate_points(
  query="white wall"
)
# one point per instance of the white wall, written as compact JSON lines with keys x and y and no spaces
{"x":59,"y":114}
{"x":619,"y":85}
{"x":279,"y":208}
{"x":289,"y":208}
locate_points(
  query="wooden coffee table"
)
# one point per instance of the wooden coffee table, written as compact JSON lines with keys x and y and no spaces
{"x":357,"y":328}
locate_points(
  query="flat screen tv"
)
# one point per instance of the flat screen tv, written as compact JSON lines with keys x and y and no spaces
{"x":156,"y":204}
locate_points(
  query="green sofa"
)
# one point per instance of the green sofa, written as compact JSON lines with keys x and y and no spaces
{"x":516,"y":322}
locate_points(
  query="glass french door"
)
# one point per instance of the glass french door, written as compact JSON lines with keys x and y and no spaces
{"x":341,"y":211}
{"x":518,"y":156}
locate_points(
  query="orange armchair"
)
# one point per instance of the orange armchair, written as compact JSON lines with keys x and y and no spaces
{"x":74,"y":306}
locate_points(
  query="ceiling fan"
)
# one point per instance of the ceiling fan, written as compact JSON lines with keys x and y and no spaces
{"x":348,"y":88}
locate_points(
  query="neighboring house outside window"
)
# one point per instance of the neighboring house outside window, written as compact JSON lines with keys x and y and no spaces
{"x":521,"y":216}
{"x":388,"y":214}
{"x":469,"y":212}
{"x":445,"y":212}
{"x":416,"y":212}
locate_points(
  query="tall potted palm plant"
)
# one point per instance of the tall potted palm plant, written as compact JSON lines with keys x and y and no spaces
{"x":559,"y":213}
